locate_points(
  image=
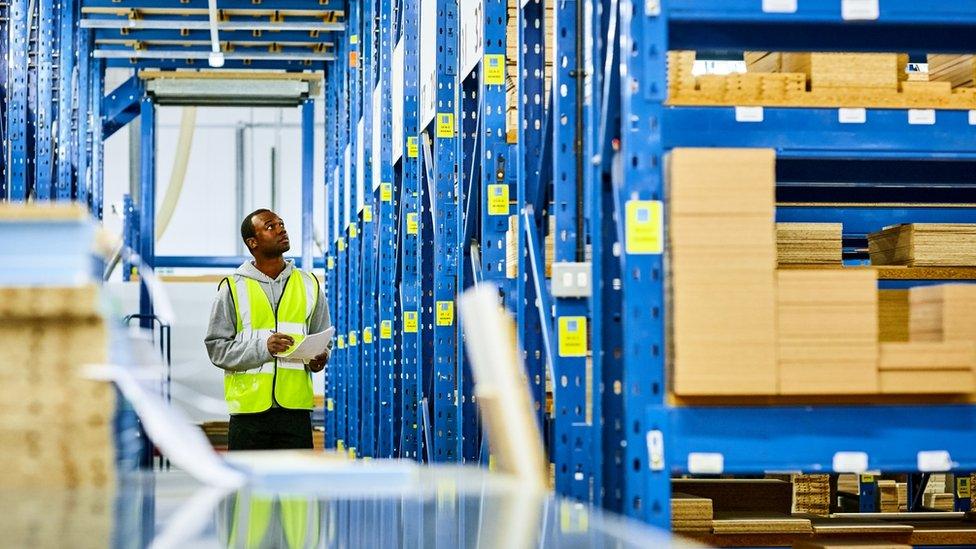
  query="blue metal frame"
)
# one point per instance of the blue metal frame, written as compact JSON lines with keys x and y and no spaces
{"x":43,"y":115}
{"x":121,"y":106}
{"x":16,"y":113}
{"x":67,"y":93}
{"x":147,"y":204}
{"x":308,"y":182}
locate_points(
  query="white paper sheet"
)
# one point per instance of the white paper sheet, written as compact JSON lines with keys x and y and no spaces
{"x":310,"y":347}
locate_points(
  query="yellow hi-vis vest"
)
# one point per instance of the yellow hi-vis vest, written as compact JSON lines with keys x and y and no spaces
{"x":256,"y":522}
{"x":288,"y":382}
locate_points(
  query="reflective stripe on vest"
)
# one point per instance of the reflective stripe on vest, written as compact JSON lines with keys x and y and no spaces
{"x":250,"y":391}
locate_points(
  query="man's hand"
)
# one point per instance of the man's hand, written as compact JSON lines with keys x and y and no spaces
{"x":279,"y":343}
{"x":317,"y":364}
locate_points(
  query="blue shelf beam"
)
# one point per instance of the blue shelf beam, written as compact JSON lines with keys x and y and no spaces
{"x":121,"y":106}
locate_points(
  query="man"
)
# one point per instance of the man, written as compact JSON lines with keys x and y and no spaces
{"x":264,"y":309}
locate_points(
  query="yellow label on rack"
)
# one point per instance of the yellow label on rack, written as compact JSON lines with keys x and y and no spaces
{"x":413,"y":227}
{"x":386,"y":329}
{"x":341,"y":342}
{"x":964,"y":488}
{"x":353,"y":231}
{"x":367,"y":214}
{"x":445,"y":124}
{"x":329,"y":404}
{"x":495,"y":69}
{"x":572,"y":336}
{"x":410,"y":322}
{"x":353,"y":338}
{"x":412,"y":149}
{"x":445,"y":313}
{"x":352,"y":453}
{"x":367,"y":336}
{"x":342,"y":244}
{"x":340,"y":445}
{"x":354,"y":39}
{"x":386,"y":192}
{"x":644,"y":227}
{"x":497,"y":199}
{"x":331,"y":263}
{"x":867,"y":479}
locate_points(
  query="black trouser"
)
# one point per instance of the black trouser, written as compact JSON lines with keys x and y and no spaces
{"x":274,"y":429}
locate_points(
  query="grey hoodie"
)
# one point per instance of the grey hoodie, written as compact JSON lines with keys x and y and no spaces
{"x":226,"y":352}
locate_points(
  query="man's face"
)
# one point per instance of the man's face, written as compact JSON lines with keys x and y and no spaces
{"x":270,"y":237}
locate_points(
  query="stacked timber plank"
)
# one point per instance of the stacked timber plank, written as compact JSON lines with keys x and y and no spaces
{"x":924,"y":244}
{"x":811,"y":494}
{"x":957,"y":70}
{"x":927,"y":367}
{"x":55,"y":424}
{"x":759,"y":522}
{"x":902,"y":489}
{"x":217,"y":433}
{"x":690,"y":513}
{"x":945,"y":312}
{"x":888,"y":496}
{"x":809,"y":243}
{"x":938,"y":501}
{"x":549,"y":243}
{"x":848,"y":483}
{"x":847,"y":544}
{"x":827,"y":331}
{"x":723,"y":266}
{"x":512,"y":247}
{"x":880,"y":72}
{"x":892,"y":315}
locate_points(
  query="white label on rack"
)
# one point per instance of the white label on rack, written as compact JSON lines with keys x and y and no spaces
{"x":924,"y":117}
{"x":706,"y":463}
{"x":748,"y":114}
{"x":934,"y":461}
{"x":850,"y":462}
{"x":852,"y":116}
{"x":859,"y":10}
{"x":655,"y":450}
{"x":779,"y":6}
{"x":972,"y":118}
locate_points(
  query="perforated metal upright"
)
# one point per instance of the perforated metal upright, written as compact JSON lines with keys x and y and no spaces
{"x":17,"y":151}
{"x":353,"y":312}
{"x":67,"y":95}
{"x":43,"y":112}
{"x":367,"y":300}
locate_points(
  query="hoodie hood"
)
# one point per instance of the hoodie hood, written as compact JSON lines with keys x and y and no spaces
{"x":248,"y":270}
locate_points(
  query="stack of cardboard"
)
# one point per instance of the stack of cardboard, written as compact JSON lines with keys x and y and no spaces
{"x":888,"y":496}
{"x":902,"y":488}
{"x":892,"y":315}
{"x":809,"y":243}
{"x":924,"y":244}
{"x":945,"y":312}
{"x":55,"y":424}
{"x":927,"y":367}
{"x":837,"y":71}
{"x":811,"y":494}
{"x":690,"y":513}
{"x":957,"y":70}
{"x":827,"y":331}
{"x":938,"y":501}
{"x":723,"y":267}
{"x":512,"y":247}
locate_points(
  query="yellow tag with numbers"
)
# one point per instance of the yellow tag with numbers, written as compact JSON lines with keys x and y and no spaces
{"x":964,"y":488}
{"x":353,"y":339}
{"x":367,"y":335}
{"x":354,"y":39}
{"x":412,"y":226}
{"x":386,"y":192}
{"x":329,"y":404}
{"x":497,"y":199}
{"x":331,"y":263}
{"x":644,"y":227}
{"x":367,"y":214}
{"x":340,"y":445}
{"x":572,"y":336}
{"x":410,"y":322}
{"x":341,"y":342}
{"x":495,"y":69}
{"x":445,"y":313}
{"x":867,"y":478}
{"x":341,"y":244}
{"x":412,"y":149}
{"x":353,"y":231}
{"x":386,"y":329}
{"x":445,"y":124}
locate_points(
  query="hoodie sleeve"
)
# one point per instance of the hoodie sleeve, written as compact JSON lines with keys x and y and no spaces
{"x":321,"y":320}
{"x":225,"y":351}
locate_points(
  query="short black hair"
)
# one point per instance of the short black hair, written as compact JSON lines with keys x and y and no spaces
{"x":247,"y":224}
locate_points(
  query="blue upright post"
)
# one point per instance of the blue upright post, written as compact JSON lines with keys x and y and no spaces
{"x":147,"y":203}
{"x":66,"y":95}
{"x":43,"y":109}
{"x":308,"y":182}
{"x":367,"y":302}
{"x":82,"y":135}
{"x":411,"y":350}
{"x":16,"y":183}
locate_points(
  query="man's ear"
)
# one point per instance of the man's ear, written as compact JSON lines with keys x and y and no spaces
{"x":251,"y":243}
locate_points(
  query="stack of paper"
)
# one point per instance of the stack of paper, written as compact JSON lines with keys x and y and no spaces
{"x":857,"y":70}
{"x":958,"y":70}
{"x":723,"y":267}
{"x":938,"y":502}
{"x":809,"y":243}
{"x":827,"y":331}
{"x":55,"y":425}
{"x":892,"y":315}
{"x":888,"y":496}
{"x":811,"y":494}
{"x":928,"y":367}
{"x":945,"y":312}
{"x":690,"y":513}
{"x":925,"y":244}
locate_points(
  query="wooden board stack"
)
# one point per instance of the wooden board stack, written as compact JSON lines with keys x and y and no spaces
{"x":690,"y":513}
{"x":809,"y":243}
{"x":827,"y":331}
{"x":924,"y":244}
{"x":939,"y":501}
{"x":550,"y":245}
{"x":681,"y":80}
{"x":811,"y":494}
{"x":847,"y":544}
{"x":55,"y":424}
{"x":512,"y":247}
{"x":879,"y":71}
{"x":892,"y":315}
{"x":945,"y":312}
{"x":902,"y":488}
{"x":216,"y":432}
{"x":957,"y":70}
{"x":723,"y":260}
{"x":848,"y":483}
{"x":888,"y":496}
{"x":928,"y":367}
{"x":747,"y":522}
